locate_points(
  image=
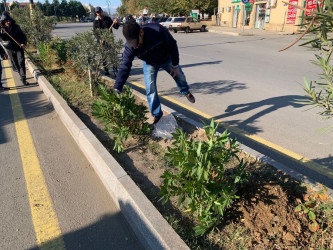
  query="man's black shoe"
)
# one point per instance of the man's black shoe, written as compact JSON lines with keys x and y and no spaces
{"x":25,"y":82}
{"x":4,"y":88}
{"x":190,"y":97}
{"x":156,"y":119}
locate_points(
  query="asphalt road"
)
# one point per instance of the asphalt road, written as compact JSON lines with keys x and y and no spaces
{"x":252,"y":89}
{"x":47,"y":183}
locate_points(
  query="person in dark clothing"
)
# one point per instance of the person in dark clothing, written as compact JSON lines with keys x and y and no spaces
{"x":3,"y":55}
{"x":156,"y":47}
{"x":16,"y":48}
{"x":104,"y":22}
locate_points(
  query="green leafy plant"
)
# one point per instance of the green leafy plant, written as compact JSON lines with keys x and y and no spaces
{"x":87,"y":55}
{"x":121,"y":115}
{"x":202,"y":180}
{"x":37,"y":27}
{"x":318,"y":208}
{"x":320,"y":25}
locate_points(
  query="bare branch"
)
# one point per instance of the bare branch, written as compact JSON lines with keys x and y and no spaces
{"x":305,"y":31}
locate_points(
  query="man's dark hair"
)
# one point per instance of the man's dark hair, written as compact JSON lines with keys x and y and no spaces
{"x":131,"y":32}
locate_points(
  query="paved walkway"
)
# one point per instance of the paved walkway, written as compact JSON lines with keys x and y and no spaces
{"x":245,"y":32}
{"x":51,"y":196}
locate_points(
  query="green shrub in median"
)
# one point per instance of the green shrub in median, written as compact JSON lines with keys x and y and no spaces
{"x":120,"y":114}
{"x":88,"y":56}
{"x":203,"y":181}
{"x":52,"y":53}
{"x":38,"y":27}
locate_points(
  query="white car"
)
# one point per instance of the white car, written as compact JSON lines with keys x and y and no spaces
{"x":167,"y":22}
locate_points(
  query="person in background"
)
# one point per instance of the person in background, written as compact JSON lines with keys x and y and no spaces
{"x":4,"y":56}
{"x":156,"y":47}
{"x":104,"y":22}
{"x":10,"y":31}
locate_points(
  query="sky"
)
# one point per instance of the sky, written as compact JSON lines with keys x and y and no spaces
{"x":101,"y":3}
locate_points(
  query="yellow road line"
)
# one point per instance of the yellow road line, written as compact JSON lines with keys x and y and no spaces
{"x":44,"y":218}
{"x":324,"y":170}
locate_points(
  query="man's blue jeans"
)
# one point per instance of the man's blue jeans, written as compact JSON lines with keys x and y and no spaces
{"x":150,"y":75}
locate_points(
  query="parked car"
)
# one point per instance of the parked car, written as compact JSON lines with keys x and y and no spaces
{"x":153,"y":19}
{"x":168,"y":21}
{"x":141,"y":20}
{"x":162,"y":19}
{"x":187,"y":24}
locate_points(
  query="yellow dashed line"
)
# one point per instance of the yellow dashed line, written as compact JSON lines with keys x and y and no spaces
{"x":324,"y":170}
{"x":44,"y":218}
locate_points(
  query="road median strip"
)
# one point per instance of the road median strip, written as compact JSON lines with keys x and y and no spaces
{"x":151,"y":228}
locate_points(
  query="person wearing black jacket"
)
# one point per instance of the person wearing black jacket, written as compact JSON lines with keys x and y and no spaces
{"x":156,"y":47}
{"x":104,"y":22}
{"x":16,"y":48}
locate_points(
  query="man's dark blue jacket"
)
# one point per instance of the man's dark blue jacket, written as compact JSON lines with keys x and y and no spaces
{"x":157,"y":48}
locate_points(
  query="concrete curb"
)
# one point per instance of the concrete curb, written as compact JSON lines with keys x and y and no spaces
{"x":148,"y":224}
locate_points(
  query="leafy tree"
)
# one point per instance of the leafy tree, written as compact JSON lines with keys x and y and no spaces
{"x":173,"y":7}
{"x":37,"y":28}
{"x":122,"y":10}
{"x":63,"y":8}
{"x":132,"y":6}
{"x":87,"y":55}
{"x":40,"y":6}
{"x":56,"y":10}
{"x":47,"y":8}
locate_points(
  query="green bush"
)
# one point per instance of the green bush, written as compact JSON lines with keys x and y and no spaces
{"x":88,"y":56}
{"x":52,"y":53}
{"x":120,"y":114}
{"x":202,"y":180}
{"x":38,"y":28}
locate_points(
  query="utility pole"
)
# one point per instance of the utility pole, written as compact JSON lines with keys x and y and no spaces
{"x":108,"y":3}
{"x":5,"y":3}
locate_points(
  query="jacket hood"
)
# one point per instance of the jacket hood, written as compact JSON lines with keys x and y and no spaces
{"x":6,"y":16}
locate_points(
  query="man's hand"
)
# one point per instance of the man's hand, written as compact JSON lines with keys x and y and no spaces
{"x":5,"y":56}
{"x":23,"y":46}
{"x":115,"y":20}
{"x":174,"y":72}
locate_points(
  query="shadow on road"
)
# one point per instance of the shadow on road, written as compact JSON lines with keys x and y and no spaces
{"x":215,"y":87}
{"x":32,"y":103}
{"x":106,"y":233}
{"x":271,"y":104}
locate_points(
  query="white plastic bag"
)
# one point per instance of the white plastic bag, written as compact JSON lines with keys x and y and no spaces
{"x":165,"y":127}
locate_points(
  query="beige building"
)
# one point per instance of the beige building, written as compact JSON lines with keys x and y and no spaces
{"x":274,"y":15}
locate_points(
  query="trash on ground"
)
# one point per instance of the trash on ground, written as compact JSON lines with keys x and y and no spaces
{"x":165,"y":127}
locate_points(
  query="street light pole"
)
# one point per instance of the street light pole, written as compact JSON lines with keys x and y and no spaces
{"x":31,"y":7}
{"x":5,"y":3}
